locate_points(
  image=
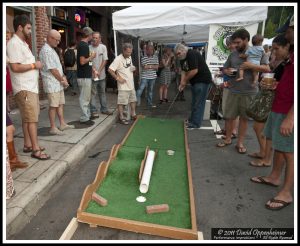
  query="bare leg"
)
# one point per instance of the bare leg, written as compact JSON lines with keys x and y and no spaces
{"x":132,"y":108}
{"x":27,"y":138}
{"x":10,"y":133}
{"x":235,"y":125}
{"x":278,"y":164}
{"x":161,"y":88}
{"x":32,"y":129}
{"x":258,"y":128}
{"x":267,"y":160}
{"x":121,"y":111}
{"x":241,"y":75}
{"x":255,"y":77}
{"x":60,"y":114}
{"x":285,"y":194}
{"x":228,"y":129}
{"x":52,"y":114}
{"x":243,"y":124}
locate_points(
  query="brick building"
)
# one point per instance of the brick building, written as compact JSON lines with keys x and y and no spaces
{"x":67,"y":20}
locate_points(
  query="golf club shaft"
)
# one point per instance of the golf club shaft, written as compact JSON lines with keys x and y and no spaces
{"x":172,"y":104}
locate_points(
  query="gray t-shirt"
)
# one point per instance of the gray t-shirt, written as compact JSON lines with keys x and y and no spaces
{"x":101,"y":55}
{"x":244,"y":86}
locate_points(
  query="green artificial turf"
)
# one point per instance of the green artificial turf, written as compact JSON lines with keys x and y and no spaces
{"x":168,"y":183}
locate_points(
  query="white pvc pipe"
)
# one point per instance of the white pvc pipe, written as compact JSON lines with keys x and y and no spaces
{"x":144,"y":186}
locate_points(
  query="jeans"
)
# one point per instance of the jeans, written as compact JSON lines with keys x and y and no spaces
{"x":85,"y":85}
{"x":150,"y":84}
{"x":98,"y":87}
{"x":199,"y":95}
{"x":72,"y":79}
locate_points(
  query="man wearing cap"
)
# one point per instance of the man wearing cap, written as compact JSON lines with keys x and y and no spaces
{"x":280,"y":129}
{"x":84,"y":74}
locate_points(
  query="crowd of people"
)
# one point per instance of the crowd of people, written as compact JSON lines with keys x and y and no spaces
{"x":85,"y":65}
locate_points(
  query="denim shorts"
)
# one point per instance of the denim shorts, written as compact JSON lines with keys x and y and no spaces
{"x":272,"y":131}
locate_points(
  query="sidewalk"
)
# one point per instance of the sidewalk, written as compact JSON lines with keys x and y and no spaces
{"x":33,"y":183}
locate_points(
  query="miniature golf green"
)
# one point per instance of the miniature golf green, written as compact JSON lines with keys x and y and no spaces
{"x":168,"y":183}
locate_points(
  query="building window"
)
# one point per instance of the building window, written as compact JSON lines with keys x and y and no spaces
{"x":60,"y":13}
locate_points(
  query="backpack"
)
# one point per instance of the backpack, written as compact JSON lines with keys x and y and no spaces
{"x":69,"y":58}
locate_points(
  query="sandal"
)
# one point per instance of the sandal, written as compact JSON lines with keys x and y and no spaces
{"x":41,"y":156}
{"x":241,"y":149}
{"x":29,"y":149}
{"x":221,"y":132}
{"x":255,"y":155}
{"x":123,"y":122}
{"x":223,"y":144}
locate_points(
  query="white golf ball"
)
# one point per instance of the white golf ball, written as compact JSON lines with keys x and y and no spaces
{"x":155,"y":140}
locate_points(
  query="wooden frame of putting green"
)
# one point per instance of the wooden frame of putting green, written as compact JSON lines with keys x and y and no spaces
{"x":94,"y":220}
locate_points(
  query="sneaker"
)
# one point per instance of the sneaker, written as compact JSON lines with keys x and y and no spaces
{"x":65,"y":127}
{"x":55,"y":131}
{"x":191,"y":127}
{"x":94,"y":116}
{"x":107,"y":112}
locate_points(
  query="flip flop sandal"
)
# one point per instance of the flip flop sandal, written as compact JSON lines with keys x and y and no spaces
{"x":261,"y":180}
{"x":262,"y":164}
{"x":241,"y":149}
{"x":273,"y":200}
{"x":29,"y":149}
{"x":220,"y":132}
{"x":255,"y":155}
{"x":223,"y":144}
{"x":232,"y":136}
{"x":40,"y":156}
{"x":123,"y":122}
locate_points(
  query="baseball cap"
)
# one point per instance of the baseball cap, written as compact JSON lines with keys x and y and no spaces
{"x":87,"y":31}
{"x":289,"y":22}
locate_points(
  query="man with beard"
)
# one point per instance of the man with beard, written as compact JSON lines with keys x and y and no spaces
{"x":25,"y":80}
{"x":240,"y":92}
{"x":195,"y":71}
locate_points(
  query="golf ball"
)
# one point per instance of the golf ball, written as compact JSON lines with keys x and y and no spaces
{"x":155,"y":140}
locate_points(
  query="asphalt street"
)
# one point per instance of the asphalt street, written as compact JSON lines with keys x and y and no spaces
{"x":224,"y":195}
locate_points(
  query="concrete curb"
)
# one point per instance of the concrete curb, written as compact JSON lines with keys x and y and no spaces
{"x":37,"y":193}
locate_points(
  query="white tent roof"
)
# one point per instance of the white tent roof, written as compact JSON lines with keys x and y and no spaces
{"x":166,"y":24}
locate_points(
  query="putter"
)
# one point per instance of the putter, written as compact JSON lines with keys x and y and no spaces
{"x":170,"y":106}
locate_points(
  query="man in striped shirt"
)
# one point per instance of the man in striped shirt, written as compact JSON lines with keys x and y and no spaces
{"x":149,"y":64}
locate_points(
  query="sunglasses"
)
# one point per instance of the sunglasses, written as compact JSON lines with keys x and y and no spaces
{"x":127,"y":64}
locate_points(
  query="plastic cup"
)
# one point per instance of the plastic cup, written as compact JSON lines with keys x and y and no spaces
{"x":268,"y":78}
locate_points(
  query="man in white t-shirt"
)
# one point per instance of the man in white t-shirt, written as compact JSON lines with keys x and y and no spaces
{"x":25,"y":82}
{"x":122,"y":70}
{"x":98,"y":80}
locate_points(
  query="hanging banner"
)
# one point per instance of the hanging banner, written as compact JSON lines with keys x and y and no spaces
{"x":218,"y":52}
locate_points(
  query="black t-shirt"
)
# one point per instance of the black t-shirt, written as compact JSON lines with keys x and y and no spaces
{"x":194,"y":60}
{"x":83,"y":71}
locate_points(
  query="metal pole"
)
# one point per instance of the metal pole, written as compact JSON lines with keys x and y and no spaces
{"x":263,"y":28}
{"x":115,"y":41}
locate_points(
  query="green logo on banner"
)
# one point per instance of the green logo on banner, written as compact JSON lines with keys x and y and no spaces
{"x":222,"y":36}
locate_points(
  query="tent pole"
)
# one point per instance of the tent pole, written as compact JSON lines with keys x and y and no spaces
{"x":263,"y":28}
{"x":115,"y":41}
{"x":139,"y":58}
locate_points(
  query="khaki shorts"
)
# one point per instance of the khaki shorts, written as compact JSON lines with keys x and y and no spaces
{"x":56,"y":98}
{"x":236,"y":105}
{"x":28,"y":104}
{"x":125,"y":97}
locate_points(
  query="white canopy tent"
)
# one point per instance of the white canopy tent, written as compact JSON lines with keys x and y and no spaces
{"x":169,"y":24}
